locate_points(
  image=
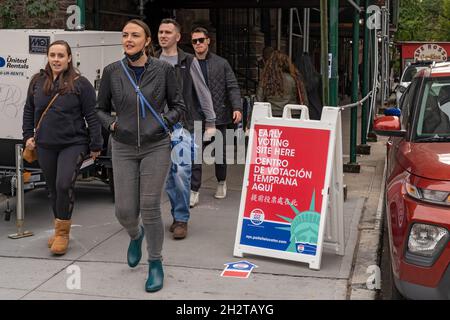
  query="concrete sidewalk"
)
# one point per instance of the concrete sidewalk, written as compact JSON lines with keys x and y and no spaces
{"x":192,"y":266}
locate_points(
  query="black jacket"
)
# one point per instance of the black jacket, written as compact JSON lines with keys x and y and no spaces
{"x":184,"y":80}
{"x":64,"y":124}
{"x":224,"y":88}
{"x":116,"y":94}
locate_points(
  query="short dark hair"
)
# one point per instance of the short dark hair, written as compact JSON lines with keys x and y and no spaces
{"x":200,"y":29}
{"x":172,"y":21}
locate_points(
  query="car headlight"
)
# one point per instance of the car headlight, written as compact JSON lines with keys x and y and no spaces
{"x":426,"y":240}
{"x":433,"y":196}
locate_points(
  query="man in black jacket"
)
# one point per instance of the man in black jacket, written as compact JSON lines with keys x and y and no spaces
{"x":197,"y":99}
{"x":226,"y":98}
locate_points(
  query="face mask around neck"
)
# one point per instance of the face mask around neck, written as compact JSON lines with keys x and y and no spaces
{"x":135,"y":57}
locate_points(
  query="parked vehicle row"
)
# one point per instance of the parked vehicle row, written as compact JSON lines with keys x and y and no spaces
{"x":407,"y":76}
{"x":417,"y":193}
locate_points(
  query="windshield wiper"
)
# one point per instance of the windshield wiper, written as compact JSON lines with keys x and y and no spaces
{"x":436,"y":138}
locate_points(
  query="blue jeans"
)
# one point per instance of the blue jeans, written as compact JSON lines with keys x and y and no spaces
{"x":178,"y":184}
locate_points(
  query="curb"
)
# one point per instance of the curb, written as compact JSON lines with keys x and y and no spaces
{"x":366,"y":266}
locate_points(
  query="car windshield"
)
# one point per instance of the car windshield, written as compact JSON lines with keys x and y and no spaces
{"x":411,"y":72}
{"x":434,"y":115}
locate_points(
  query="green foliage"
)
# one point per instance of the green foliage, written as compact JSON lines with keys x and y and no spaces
{"x":424,"y":20}
{"x":444,"y":22}
{"x":8,"y":15}
{"x":12,"y":14}
{"x":40,"y":8}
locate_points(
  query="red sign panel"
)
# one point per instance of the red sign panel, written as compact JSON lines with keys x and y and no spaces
{"x":284,"y":193}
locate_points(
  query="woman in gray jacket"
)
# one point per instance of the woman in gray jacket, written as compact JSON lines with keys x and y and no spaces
{"x":140,"y":144}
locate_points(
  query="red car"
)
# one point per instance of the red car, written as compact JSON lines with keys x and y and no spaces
{"x":417,"y":195}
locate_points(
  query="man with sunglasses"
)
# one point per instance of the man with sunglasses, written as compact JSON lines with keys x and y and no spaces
{"x":226,"y":98}
{"x":197,"y":99}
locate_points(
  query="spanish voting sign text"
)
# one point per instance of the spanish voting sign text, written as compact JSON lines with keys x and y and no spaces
{"x":286,"y":176}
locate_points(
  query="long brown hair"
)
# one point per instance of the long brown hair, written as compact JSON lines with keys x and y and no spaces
{"x":66,"y":78}
{"x":149,"y":51}
{"x":272,"y":81}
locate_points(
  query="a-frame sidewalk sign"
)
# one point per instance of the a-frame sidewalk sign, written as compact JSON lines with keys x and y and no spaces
{"x":292,"y":196}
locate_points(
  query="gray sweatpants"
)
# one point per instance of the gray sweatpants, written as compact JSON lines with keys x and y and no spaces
{"x":139,"y":179}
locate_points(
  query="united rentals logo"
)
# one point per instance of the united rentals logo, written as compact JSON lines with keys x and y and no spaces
{"x":14,"y":63}
{"x":430,"y":51}
{"x":14,"y":66}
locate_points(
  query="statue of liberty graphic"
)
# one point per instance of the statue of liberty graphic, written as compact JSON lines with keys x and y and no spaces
{"x":304,"y":229}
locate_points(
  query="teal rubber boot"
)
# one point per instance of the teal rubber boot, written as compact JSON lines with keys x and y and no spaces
{"x":155,"y":276}
{"x":134,"y":253}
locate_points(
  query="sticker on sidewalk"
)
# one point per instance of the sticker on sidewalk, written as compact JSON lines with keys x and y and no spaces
{"x":240,"y":269}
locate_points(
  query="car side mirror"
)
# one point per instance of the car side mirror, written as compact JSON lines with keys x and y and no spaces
{"x":388,"y":126}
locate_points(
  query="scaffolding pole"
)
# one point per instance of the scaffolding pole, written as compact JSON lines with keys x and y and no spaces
{"x":364,"y":148}
{"x":353,"y":166}
{"x":306,"y":13}
{"x":324,"y":50}
{"x":334,"y":43}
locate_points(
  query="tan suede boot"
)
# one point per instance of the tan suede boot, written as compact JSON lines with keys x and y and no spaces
{"x":62,"y":231}
{"x":52,"y":238}
{"x":50,"y":241}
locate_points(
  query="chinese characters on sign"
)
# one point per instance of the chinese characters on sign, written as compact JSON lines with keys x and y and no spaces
{"x":284,"y":193}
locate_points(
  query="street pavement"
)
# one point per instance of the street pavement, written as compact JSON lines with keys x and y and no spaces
{"x":192,"y":266}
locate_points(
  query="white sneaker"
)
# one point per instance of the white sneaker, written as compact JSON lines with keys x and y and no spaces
{"x":193,"y":201}
{"x":221,"y":191}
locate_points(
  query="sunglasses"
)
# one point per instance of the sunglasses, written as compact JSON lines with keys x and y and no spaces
{"x":198,"y":40}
